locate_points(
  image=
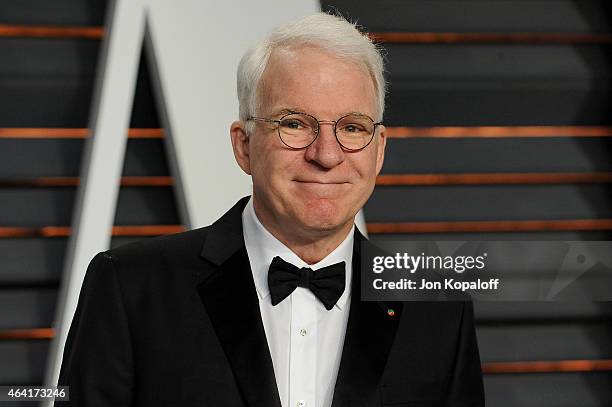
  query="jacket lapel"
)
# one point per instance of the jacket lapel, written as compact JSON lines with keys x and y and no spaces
{"x":369,"y":336}
{"x":231,"y":302}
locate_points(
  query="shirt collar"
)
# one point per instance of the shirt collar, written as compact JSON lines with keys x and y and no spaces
{"x":262,"y":247}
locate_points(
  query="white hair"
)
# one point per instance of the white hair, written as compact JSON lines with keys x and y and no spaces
{"x":334,"y":34}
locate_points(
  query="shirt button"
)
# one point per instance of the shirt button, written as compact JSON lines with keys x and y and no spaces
{"x":301,"y":403}
{"x":303,"y":333}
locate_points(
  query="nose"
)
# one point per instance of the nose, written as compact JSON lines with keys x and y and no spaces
{"x":325,"y":150}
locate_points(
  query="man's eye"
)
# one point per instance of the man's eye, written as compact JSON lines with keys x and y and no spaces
{"x":292,"y":124}
{"x":352,"y":128}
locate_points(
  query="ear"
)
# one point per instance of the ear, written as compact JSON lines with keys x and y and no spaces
{"x":240,"y":145}
{"x":381,"y":144}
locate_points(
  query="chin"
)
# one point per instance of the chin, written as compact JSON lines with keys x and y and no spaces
{"x":323,"y":214}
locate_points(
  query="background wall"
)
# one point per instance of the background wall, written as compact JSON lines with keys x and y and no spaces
{"x":499,"y":113}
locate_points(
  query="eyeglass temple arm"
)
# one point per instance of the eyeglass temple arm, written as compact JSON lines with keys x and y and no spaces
{"x":262,"y":119}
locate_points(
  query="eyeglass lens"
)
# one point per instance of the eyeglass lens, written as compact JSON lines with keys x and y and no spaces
{"x":298,"y":130}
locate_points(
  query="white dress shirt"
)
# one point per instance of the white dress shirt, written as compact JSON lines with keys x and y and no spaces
{"x":304,"y":338}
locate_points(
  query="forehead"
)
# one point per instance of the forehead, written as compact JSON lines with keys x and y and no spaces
{"x":317,"y":81}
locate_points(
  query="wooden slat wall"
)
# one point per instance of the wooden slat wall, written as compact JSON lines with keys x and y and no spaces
{"x":45,"y":31}
{"x":49,"y":61}
{"x":499,"y":125}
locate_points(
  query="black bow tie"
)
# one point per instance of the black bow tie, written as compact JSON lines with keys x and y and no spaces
{"x":326,"y":283}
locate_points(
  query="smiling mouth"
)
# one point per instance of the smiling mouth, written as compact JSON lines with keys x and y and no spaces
{"x":320,"y":183}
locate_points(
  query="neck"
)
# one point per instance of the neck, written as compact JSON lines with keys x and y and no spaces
{"x":310,"y":245}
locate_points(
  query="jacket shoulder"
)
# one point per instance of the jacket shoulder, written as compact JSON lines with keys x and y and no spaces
{"x":182,"y":241}
{"x":178,"y":251}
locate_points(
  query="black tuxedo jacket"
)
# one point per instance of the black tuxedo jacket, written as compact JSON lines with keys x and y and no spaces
{"x":175,"y":321}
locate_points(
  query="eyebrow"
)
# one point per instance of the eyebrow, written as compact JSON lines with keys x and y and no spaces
{"x":288,"y":110}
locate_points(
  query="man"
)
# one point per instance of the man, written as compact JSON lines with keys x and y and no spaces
{"x":263,"y":308}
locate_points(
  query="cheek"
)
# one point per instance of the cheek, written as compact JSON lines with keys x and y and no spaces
{"x":260,"y":157}
{"x":365,"y":166}
{"x":272,"y":167}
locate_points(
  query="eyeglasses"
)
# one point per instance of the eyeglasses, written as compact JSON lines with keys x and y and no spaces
{"x":297,"y":130}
